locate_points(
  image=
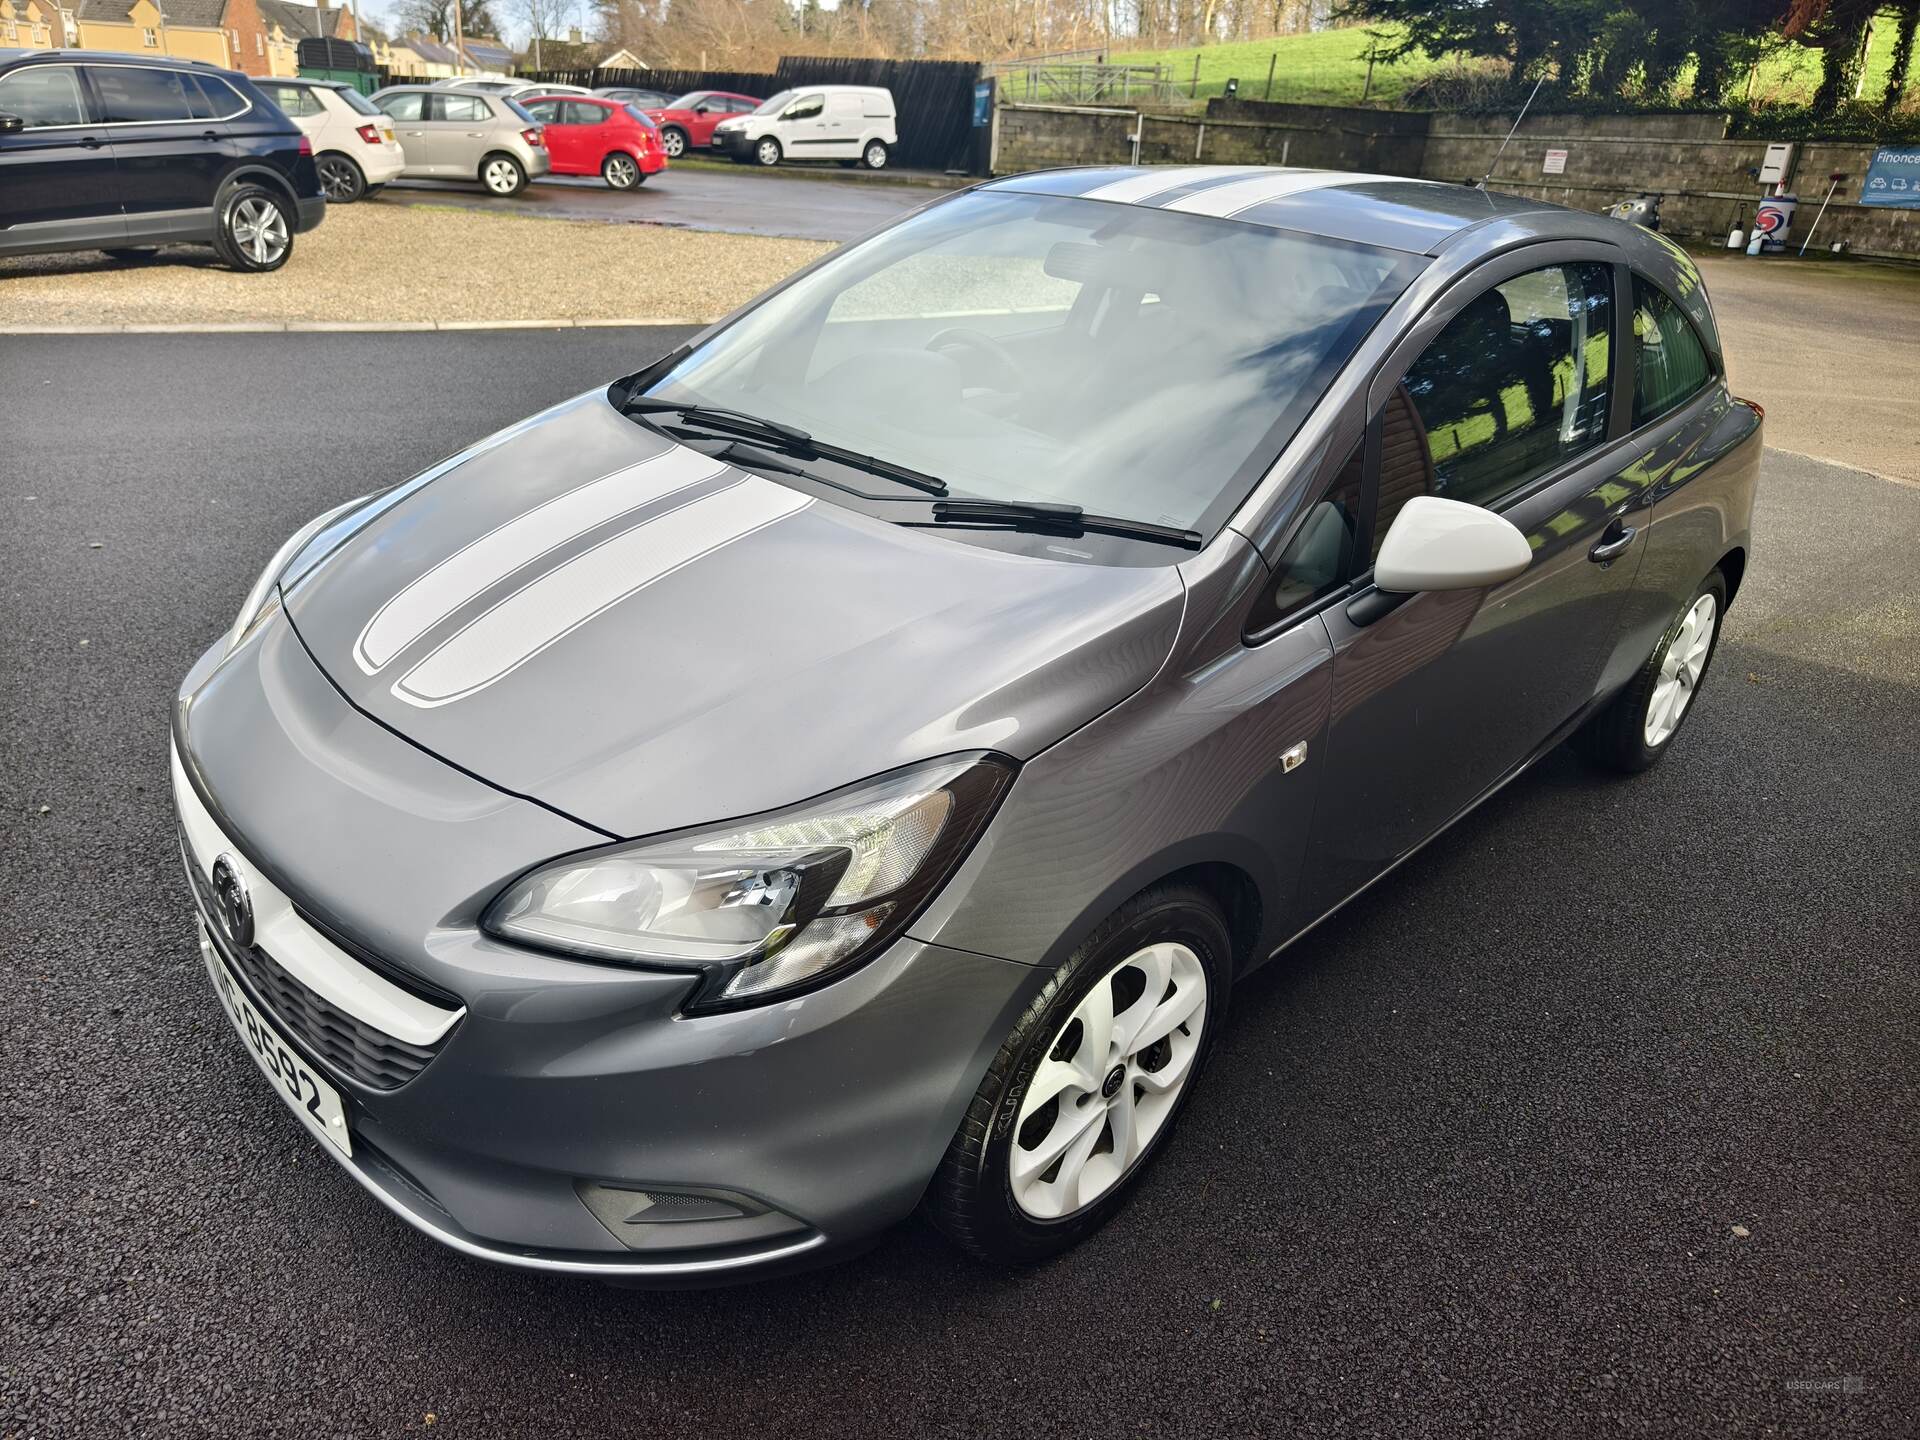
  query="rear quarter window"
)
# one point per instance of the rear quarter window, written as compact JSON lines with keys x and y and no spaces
{"x":1670,"y":364}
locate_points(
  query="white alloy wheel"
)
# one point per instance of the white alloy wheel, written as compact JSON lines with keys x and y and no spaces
{"x":1680,"y":670}
{"x":1113,"y":1074}
{"x":501,"y":175}
{"x":674,"y":142}
{"x":259,"y":229}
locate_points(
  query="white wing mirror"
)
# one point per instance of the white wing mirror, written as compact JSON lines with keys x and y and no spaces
{"x":1436,"y":544}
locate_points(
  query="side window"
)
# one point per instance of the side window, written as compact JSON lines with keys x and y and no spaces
{"x":547,"y":112}
{"x":131,"y":93}
{"x":407,"y":105}
{"x":739,"y":106}
{"x":295,"y":100}
{"x":805,"y":108}
{"x":43,"y":95}
{"x":1669,"y":363}
{"x":1320,"y":556}
{"x":1517,"y":383}
{"x":463,"y":109}
{"x":579,"y":112}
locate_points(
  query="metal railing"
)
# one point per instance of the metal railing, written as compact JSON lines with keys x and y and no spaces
{"x":1070,"y":83}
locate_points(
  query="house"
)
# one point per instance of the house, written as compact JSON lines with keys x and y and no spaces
{"x":36,"y":24}
{"x":486,"y":53}
{"x":622,"y":59}
{"x":184,"y":29}
{"x":415,"y":57}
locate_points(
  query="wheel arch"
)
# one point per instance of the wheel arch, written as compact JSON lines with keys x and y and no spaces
{"x":255,"y":174}
{"x":1733,"y":565}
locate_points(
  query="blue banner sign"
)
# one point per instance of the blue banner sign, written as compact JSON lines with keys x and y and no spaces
{"x":982,"y":103}
{"x":1893,"y":178}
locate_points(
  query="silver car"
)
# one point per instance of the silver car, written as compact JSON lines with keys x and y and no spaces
{"x":844,"y":766}
{"x":466,"y":135}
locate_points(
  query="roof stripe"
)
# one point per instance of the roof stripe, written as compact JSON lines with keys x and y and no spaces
{"x":1228,"y":200}
{"x":1136,"y":189}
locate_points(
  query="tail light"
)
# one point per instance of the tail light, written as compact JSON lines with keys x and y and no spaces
{"x":306,"y":146}
{"x":370,"y":134}
{"x":536,"y":136}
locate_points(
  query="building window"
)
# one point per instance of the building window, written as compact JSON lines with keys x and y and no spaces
{"x":149,"y":39}
{"x":13,"y":31}
{"x":259,"y":45}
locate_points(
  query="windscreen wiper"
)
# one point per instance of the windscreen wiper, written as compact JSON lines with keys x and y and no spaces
{"x":1069,"y":518}
{"x":716,"y":417}
{"x":790,"y":438}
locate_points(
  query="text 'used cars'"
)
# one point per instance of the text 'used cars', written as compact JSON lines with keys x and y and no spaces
{"x":844,"y":765}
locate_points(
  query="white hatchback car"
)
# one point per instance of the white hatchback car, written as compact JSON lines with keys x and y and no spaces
{"x":354,"y":148}
{"x":850,"y":123}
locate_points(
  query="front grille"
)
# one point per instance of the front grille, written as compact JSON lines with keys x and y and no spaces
{"x":342,"y":1042}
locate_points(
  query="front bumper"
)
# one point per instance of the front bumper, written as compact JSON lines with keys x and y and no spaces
{"x":733,"y":143}
{"x":552,"y":1081}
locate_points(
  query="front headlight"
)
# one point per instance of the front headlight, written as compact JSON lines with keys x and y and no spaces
{"x":265,"y":594}
{"x":766,"y":905}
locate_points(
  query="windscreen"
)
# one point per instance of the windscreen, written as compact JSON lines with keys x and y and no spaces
{"x":686,"y":101}
{"x":518,"y":109}
{"x":1131,"y":361}
{"x":774,"y":103}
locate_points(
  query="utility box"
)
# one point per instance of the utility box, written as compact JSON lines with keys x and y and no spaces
{"x":1778,"y":165}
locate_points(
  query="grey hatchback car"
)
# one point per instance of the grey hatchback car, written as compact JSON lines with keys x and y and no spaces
{"x":842,"y":767}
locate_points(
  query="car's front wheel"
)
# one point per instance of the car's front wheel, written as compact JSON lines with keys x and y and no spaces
{"x":1087,"y":1088}
{"x":621,"y":171}
{"x":254,"y":230}
{"x":767,"y":152}
{"x":502,"y":175}
{"x":673,"y":140}
{"x":1633,"y":730}
{"x":341,"y":181}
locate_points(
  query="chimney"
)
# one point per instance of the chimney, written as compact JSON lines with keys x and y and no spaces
{"x":573,"y":35}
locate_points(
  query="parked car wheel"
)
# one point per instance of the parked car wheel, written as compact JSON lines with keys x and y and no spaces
{"x":133,"y":254}
{"x":341,"y":181}
{"x":767,"y":152}
{"x":502,"y":175}
{"x":1635,"y":728}
{"x":255,"y":231}
{"x":673,"y":140}
{"x":874,"y":157}
{"x":621,"y":171}
{"x":373,"y":190}
{"x":1087,"y":1087}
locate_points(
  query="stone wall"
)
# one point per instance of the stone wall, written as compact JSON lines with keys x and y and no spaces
{"x":1701,"y":173}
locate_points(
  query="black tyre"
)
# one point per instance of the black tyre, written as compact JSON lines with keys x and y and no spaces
{"x":1636,"y":727}
{"x":502,"y":175}
{"x":875,"y":156}
{"x":673,"y":140}
{"x":621,"y":171}
{"x":373,"y":190}
{"x":253,"y":229}
{"x":1067,"y":1118}
{"x":767,"y":151}
{"x":341,"y":181}
{"x":133,"y":255}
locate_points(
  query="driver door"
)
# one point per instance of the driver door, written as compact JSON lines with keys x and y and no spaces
{"x":1503,"y":398}
{"x":803,"y":127}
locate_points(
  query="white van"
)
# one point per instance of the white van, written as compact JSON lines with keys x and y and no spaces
{"x":850,"y":123}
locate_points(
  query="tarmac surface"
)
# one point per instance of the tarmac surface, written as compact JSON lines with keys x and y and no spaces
{"x":1601,"y":1116}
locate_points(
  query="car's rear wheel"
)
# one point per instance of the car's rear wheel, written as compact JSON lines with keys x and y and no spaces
{"x":502,"y":175}
{"x":621,"y":171}
{"x":673,"y":140}
{"x":373,"y":190}
{"x":133,"y":254}
{"x":1634,"y":729}
{"x":254,"y":230}
{"x":341,"y":181}
{"x":1085,"y":1091}
{"x":874,"y":157}
{"x":767,"y":151}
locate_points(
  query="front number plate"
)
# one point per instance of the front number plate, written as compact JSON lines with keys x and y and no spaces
{"x":315,"y":1101}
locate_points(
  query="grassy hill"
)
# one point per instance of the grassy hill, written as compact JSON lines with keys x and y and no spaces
{"x":1329,"y":67}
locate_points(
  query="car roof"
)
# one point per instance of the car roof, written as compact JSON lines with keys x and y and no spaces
{"x":1387,"y":210}
{"x":98,"y":57}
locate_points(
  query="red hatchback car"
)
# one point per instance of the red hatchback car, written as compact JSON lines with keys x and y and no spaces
{"x":587,"y":135}
{"x":687,"y":124}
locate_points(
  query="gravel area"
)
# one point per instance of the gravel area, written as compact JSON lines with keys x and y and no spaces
{"x":381,"y":262}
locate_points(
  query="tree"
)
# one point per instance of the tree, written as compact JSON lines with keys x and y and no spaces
{"x":544,"y":19}
{"x":435,"y":17}
{"x":1903,"y":42}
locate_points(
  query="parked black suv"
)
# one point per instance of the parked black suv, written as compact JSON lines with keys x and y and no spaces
{"x":124,"y":153}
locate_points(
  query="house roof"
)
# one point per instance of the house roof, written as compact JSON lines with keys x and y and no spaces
{"x":299,"y":21}
{"x":487,"y":51}
{"x":176,"y":12}
{"x":427,"y":48}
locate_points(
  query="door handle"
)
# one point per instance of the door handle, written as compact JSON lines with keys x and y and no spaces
{"x":209,"y":135}
{"x":1613,"y":544}
{"x":89,"y":142}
